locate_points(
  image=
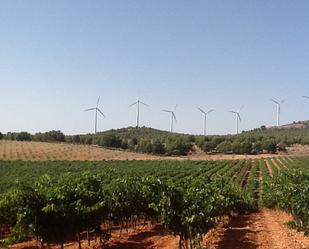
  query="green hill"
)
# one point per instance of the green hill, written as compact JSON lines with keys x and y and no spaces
{"x":154,"y":141}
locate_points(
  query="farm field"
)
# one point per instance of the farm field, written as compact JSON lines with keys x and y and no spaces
{"x":262,"y":229}
{"x":43,"y":151}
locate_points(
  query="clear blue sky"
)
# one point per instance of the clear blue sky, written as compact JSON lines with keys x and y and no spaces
{"x":57,"y":57}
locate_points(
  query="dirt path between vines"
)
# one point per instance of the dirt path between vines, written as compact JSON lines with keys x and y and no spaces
{"x":265,"y":229}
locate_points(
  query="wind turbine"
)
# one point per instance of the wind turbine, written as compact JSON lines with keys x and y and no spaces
{"x":237,"y":118}
{"x":205,"y":118}
{"x":96,"y":109}
{"x":173,"y":117}
{"x":137,"y":102}
{"x":278,"y":104}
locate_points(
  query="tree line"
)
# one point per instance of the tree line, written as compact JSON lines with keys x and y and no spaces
{"x":49,"y":136}
{"x":152,"y":141}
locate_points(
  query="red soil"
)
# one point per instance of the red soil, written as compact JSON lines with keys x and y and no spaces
{"x":265,"y":229}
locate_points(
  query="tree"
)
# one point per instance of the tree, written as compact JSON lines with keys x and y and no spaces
{"x":257,"y":147}
{"x":110,"y":140}
{"x":263,"y":128}
{"x":23,"y":136}
{"x":178,"y":147}
{"x":88,"y":140}
{"x":1,"y":136}
{"x":49,"y":136}
{"x":124,"y":144}
{"x":224,"y":147}
{"x":158,"y":147}
{"x":208,"y":146}
{"x":145,"y":146}
{"x":132,"y":143}
{"x":76,"y":139}
{"x":236,"y":147}
{"x":269,"y":145}
{"x":246,"y":147}
{"x":282,"y":147}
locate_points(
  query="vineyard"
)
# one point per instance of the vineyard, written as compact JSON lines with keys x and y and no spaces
{"x":57,"y":201}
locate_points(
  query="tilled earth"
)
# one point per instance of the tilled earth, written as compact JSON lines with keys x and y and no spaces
{"x":265,"y":229}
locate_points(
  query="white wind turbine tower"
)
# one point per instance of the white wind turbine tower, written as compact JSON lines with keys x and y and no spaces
{"x":173,"y":117}
{"x":205,"y":118}
{"x":278,"y":104}
{"x":237,"y":118}
{"x":96,"y":109}
{"x":137,"y":103}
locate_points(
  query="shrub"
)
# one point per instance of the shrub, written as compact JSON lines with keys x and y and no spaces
{"x":110,"y":140}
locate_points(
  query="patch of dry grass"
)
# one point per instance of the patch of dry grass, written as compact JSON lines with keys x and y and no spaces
{"x":34,"y":151}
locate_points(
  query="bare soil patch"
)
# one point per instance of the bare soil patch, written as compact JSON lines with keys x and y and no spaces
{"x":265,"y":229}
{"x":298,"y":149}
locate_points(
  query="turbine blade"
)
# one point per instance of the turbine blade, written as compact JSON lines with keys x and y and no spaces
{"x":133,"y":104}
{"x":307,"y":97}
{"x":238,"y":116}
{"x":144,"y":103}
{"x":166,"y":110}
{"x":232,"y":111}
{"x":98,"y":101}
{"x":201,"y":110}
{"x":174,"y":116}
{"x":276,"y":102}
{"x":175,"y":106}
{"x":210,"y":111}
{"x":101,"y":112}
{"x":90,"y":109}
{"x":282,"y":101}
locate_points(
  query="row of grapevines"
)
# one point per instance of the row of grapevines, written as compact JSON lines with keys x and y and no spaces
{"x":289,"y":191}
{"x":57,"y":210}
